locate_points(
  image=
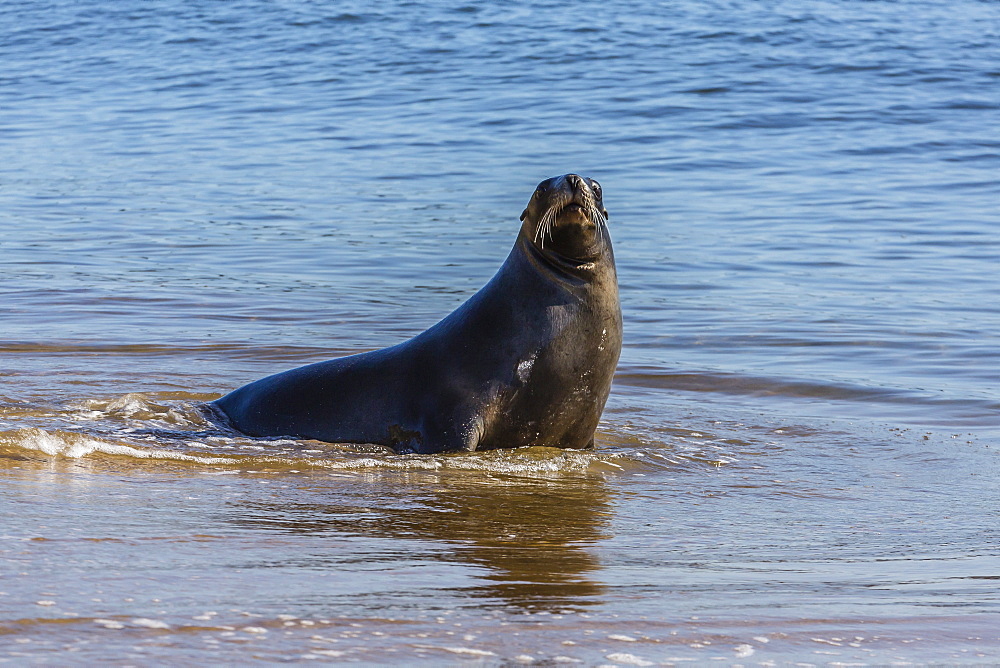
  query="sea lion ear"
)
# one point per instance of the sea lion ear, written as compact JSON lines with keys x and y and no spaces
{"x":524,"y":214}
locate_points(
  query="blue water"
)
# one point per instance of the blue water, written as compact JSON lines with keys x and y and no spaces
{"x":801,"y":441}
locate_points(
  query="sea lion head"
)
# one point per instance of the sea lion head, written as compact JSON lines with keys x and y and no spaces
{"x":566,"y":215}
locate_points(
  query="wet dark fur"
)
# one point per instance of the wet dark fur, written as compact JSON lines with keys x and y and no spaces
{"x":527,"y":360}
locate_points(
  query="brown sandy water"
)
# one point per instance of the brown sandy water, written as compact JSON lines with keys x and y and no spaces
{"x":137,"y":531}
{"x":798,"y":463}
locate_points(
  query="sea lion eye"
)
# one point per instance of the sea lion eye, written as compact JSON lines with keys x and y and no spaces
{"x":596,"y":187}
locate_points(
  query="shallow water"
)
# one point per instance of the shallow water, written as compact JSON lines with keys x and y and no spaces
{"x":798,"y":460}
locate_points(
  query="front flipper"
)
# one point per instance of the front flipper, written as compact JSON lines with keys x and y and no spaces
{"x":473,"y":434}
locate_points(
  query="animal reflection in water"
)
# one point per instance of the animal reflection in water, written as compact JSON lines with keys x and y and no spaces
{"x":532,"y":535}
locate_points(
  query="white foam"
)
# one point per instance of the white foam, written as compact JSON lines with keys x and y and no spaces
{"x":526,"y":462}
{"x":76,"y":446}
{"x":497,"y":462}
{"x":137,"y":407}
{"x":628,"y":659}
{"x":468,"y":650}
{"x":130,"y":404}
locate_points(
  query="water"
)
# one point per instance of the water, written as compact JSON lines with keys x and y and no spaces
{"x":798,"y":460}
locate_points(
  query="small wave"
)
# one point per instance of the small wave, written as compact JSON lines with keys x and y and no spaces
{"x":794,"y":388}
{"x":222,"y":350}
{"x":137,"y":407}
{"x":290,"y":455}
{"x":522,"y":461}
{"x":75,"y":446}
{"x":125,"y":406}
{"x":730,"y":383}
{"x":173,"y":426}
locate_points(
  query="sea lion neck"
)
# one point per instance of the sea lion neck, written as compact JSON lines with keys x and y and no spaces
{"x":577,"y":271}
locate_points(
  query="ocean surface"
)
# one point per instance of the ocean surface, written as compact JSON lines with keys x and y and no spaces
{"x":799,"y":461}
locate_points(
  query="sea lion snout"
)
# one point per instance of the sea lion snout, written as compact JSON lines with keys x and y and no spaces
{"x":586,"y":192}
{"x":567,"y":188}
{"x":576,"y":182}
{"x":566,"y":215}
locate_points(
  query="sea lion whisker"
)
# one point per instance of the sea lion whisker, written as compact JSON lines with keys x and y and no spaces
{"x":595,"y":217}
{"x":546,"y":224}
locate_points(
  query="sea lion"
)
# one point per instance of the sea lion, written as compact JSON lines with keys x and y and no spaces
{"x":527,"y":360}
